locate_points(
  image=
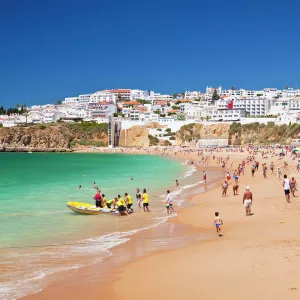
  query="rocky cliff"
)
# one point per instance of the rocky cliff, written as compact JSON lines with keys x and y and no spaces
{"x":191,"y":133}
{"x":238,"y":134}
{"x":136,"y":136}
{"x":58,"y":137}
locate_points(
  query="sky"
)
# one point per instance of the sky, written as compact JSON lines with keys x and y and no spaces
{"x":54,"y":49}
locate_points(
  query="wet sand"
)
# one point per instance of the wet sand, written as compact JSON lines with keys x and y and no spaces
{"x":257,"y":256}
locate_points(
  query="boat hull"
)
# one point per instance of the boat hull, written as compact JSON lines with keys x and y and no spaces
{"x":89,"y":209}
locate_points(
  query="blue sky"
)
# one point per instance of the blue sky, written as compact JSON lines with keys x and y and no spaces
{"x":54,"y":49}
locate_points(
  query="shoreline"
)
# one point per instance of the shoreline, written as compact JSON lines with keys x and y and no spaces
{"x":144,"y":234}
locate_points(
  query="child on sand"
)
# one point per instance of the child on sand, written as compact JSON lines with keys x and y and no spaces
{"x":218,"y":222}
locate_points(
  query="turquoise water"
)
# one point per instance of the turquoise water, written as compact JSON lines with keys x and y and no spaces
{"x":35,"y":188}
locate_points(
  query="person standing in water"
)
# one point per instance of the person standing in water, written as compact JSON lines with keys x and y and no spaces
{"x":138,"y":198}
{"x":204,"y":176}
{"x":169,"y":203}
{"x":145,"y":201}
{"x":129,"y":202}
{"x":177,"y":183}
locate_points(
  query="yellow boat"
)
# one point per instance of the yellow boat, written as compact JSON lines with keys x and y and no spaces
{"x":89,"y":209}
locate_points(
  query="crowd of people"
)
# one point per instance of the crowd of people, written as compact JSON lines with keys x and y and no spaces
{"x":122,"y":204}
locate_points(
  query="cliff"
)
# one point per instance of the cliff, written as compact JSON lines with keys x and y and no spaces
{"x":256,"y":133}
{"x":238,"y":134}
{"x":191,"y":133}
{"x":136,"y":136}
{"x":56,"y":137}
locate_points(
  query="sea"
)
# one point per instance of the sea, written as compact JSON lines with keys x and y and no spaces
{"x":42,"y":241}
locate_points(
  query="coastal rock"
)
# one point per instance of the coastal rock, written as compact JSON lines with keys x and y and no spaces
{"x":56,"y":137}
{"x":136,"y":136}
{"x":190,"y":134}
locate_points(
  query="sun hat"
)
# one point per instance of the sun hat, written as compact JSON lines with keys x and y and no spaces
{"x":247,"y":188}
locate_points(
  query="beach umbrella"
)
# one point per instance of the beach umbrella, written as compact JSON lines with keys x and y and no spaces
{"x":296,"y":149}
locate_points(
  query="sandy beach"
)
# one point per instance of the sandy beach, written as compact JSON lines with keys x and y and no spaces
{"x":256,"y":257}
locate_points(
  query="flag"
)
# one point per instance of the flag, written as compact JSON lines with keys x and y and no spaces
{"x":230,"y":104}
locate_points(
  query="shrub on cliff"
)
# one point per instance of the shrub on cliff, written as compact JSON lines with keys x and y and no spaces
{"x":153,"y":140}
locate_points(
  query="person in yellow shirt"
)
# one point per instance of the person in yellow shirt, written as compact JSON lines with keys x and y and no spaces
{"x":121,"y":206}
{"x":103,"y":200}
{"x":111,"y":202}
{"x":145,"y":200}
{"x":129,"y":202}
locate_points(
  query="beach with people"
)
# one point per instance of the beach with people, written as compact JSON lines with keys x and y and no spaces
{"x":255,"y":254}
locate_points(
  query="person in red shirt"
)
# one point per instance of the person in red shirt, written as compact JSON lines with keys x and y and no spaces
{"x":98,"y":199}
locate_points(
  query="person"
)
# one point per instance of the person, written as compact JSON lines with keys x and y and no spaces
{"x":293,"y":186}
{"x":236,"y":178}
{"x":253,"y":170}
{"x":272,"y":167}
{"x":111,"y":202}
{"x":228,"y":177}
{"x":247,"y":200}
{"x":95,"y":185}
{"x":286,"y":187}
{"x":121,"y":206}
{"x":278,"y":172}
{"x":103,"y":200}
{"x":235,"y":188}
{"x":80,"y":187}
{"x":138,"y":197}
{"x":97,"y":198}
{"x":265,"y":171}
{"x":177,"y":183}
{"x":204,"y":176}
{"x":218,"y":222}
{"x":224,"y":188}
{"x":145,"y":201}
{"x":169,"y":204}
{"x":129,"y":202}
{"x":298,"y":166}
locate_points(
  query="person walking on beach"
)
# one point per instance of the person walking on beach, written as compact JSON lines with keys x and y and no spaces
{"x":278,"y":172}
{"x":293,"y":186}
{"x":224,"y":188}
{"x":169,"y":203}
{"x":138,"y":197}
{"x":177,"y":183}
{"x":286,"y":187}
{"x":272,"y":167}
{"x":265,"y":171}
{"x":217,"y":223}
{"x":253,"y":170}
{"x":145,"y":201}
{"x":298,"y":166}
{"x":235,"y":189}
{"x":247,"y":200}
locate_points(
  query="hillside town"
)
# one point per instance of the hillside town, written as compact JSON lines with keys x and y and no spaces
{"x":138,"y":107}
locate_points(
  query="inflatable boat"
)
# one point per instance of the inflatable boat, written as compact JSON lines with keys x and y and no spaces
{"x":90,"y":209}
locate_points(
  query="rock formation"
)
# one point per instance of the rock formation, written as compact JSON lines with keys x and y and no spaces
{"x":191,"y":133}
{"x":58,"y":137}
{"x":136,"y":136}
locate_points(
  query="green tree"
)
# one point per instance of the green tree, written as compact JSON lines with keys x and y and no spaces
{"x":233,"y":88}
{"x":175,"y":95}
{"x":215,"y":95}
{"x":181,"y":117}
{"x":58,"y":102}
